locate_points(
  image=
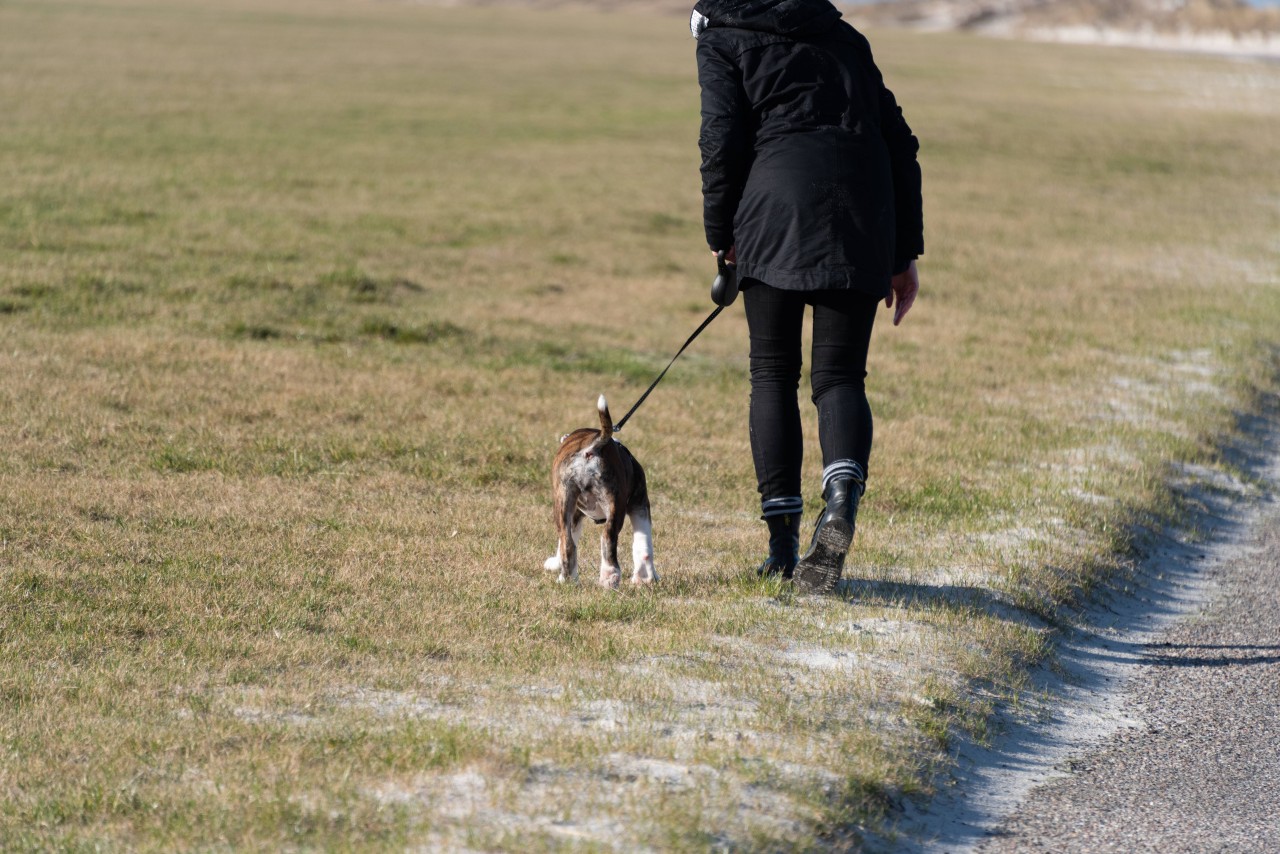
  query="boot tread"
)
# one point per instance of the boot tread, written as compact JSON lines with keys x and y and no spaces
{"x":819,"y":571}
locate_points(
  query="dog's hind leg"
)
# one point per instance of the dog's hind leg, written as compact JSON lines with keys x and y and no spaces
{"x":569,"y":527}
{"x":556,"y":562}
{"x":642,"y":546}
{"x":610,"y":572}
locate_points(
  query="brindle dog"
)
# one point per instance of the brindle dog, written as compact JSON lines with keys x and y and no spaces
{"x":594,"y":476}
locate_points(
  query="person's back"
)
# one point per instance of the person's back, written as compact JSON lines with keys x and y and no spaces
{"x":799,"y":154}
{"x":804,"y":83}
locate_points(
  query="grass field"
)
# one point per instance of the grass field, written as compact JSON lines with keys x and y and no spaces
{"x":297,"y":297}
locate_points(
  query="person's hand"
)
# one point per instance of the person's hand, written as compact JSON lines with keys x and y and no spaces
{"x":903,"y":289}
{"x":730,"y":257}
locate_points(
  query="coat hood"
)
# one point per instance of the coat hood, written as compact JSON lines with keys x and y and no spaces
{"x":782,"y":17}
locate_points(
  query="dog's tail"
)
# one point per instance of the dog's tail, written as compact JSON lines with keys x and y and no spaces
{"x":606,"y":421}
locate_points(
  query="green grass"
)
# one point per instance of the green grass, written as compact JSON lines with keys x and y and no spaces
{"x":296,"y":299}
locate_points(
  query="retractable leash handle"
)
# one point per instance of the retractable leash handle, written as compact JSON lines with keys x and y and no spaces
{"x":724,"y":290}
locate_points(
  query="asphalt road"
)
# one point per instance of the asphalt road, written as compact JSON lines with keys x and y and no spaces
{"x":1200,"y":768}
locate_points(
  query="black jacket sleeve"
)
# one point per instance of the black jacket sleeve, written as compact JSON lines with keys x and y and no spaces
{"x":908,"y":202}
{"x":726,"y":142}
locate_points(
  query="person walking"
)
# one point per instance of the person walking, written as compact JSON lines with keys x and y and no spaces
{"x":811,"y":187}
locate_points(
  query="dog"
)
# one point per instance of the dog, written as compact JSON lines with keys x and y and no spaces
{"x":594,"y":476}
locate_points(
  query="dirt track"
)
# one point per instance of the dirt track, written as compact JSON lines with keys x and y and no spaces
{"x":1200,"y":770}
{"x":1159,"y":728}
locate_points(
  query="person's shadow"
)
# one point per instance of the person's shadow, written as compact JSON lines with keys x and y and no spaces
{"x":934,"y":596}
{"x":1251,"y":654}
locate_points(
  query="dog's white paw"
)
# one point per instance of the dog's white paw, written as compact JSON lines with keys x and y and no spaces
{"x":642,"y":551}
{"x":552,"y":564}
{"x":644,"y":574}
{"x":610,"y":577}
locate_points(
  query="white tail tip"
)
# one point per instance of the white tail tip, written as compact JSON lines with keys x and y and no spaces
{"x":602,"y":404}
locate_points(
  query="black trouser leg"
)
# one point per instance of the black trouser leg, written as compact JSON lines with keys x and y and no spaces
{"x":774,"y":318}
{"x":842,"y":323}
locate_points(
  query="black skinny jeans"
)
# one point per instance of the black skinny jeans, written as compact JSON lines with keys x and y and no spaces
{"x":842,"y":322}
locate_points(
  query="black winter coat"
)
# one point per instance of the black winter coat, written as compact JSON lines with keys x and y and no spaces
{"x":807,"y":163}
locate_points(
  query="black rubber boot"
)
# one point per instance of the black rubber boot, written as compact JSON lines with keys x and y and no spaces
{"x":784,"y":546}
{"x":819,"y":570}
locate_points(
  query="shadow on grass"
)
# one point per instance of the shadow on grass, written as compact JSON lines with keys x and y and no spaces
{"x":936,"y":596}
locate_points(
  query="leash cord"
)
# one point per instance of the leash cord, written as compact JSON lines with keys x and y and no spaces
{"x":712,"y":316}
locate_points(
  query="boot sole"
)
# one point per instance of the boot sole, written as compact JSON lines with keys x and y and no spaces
{"x":819,"y":571}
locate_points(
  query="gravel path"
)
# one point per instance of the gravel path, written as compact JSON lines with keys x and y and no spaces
{"x":1197,"y":767}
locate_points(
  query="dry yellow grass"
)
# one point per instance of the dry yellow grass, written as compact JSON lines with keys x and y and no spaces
{"x":296,"y":298}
